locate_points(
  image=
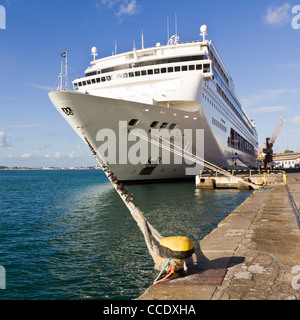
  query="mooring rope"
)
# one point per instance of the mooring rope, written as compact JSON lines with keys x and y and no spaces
{"x":149,"y":232}
{"x":190,"y":156}
{"x":147,"y":229}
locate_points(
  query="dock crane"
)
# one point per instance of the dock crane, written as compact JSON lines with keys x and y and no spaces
{"x":266,"y":154}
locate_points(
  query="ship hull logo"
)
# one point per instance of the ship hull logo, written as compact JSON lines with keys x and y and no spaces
{"x":68,"y":111}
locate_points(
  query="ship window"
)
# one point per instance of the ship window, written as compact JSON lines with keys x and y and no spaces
{"x":154,"y":124}
{"x":84,"y":83}
{"x":206,"y":68}
{"x":108,"y":78}
{"x":98,"y":80}
{"x":184,"y":68}
{"x":192,"y":67}
{"x":131,"y":74}
{"x":91,"y":74}
{"x":164,"y":125}
{"x":93,"y":81}
{"x":173,"y":126}
{"x":163,"y":70}
{"x":156,"y":71}
{"x":150,"y":71}
{"x":177,"y":69}
{"x":170,"y":69}
{"x":103,"y":79}
{"x":137,"y":73}
{"x":149,"y":63}
{"x":144,"y":72}
{"x":133,"y":122}
{"x":88,"y":81}
{"x":147,"y":171}
{"x":125,"y":75}
{"x":199,"y":67}
{"x":80,"y":84}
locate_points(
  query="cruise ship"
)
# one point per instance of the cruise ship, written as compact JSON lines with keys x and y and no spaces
{"x":172,"y":87}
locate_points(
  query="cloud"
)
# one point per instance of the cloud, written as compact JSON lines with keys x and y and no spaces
{"x":124,"y":7}
{"x":128,"y":8}
{"x":296,"y":120}
{"x":75,"y":153}
{"x":278,"y":15}
{"x":26,"y":155}
{"x":266,"y":96}
{"x":3,"y":141}
{"x":24,"y":126}
{"x":269,"y":109}
{"x":72,"y":155}
{"x":282,"y":91}
{"x":45,"y":88}
{"x":109,"y":3}
{"x":42,"y":146}
{"x":57,"y":155}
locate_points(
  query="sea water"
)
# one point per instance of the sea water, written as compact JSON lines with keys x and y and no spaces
{"x":66,"y":234}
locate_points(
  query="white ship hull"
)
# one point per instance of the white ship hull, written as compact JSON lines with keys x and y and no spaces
{"x":185,"y":86}
{"x":90,"y":113}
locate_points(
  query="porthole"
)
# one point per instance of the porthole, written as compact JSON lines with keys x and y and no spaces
{"x":133,"y":122}
{"x":154,"y":124}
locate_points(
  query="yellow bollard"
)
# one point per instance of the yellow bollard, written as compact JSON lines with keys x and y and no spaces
{"x":284,"y":178}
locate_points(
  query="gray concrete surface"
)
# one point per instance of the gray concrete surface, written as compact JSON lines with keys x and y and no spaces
{"x":254,"y":254}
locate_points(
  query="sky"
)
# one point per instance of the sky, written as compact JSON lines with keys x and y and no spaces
{"x":259,"y":42}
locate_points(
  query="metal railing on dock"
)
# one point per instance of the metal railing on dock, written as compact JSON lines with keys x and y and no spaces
{"x":209,"y":179}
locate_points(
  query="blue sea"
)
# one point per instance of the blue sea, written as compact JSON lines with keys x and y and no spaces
{"x":65,"y":234}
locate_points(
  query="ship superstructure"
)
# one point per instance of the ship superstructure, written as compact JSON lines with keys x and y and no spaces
{"x":173,"y":86}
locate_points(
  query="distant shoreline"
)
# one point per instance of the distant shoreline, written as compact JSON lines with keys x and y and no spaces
{"x":51,"y":168}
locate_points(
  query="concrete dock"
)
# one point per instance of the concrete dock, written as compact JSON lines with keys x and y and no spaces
{"x":254,"y":254}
